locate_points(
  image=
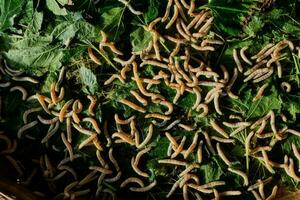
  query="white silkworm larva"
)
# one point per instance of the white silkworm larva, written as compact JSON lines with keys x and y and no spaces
{"x":286,"y":86}
{"x":240,"y":173}
{"x":60,"y":78}
{"x":27,"y":112}
{"x":296,"y":153}
{"x":92,"y":105}
{"x":68,"y":146}
{"x":15,"y":164}
{"x":93,"y":57}
{"x":112,"y":159}
{"x":185,"y":192}
{"x":267,"y":75}
{"x":101,"y":169}
{"x":174,"y":17}
{"x":217,"y":128}
{"x":200,"y":189}
{"x":205,"y":109}
{"x":267,"y":162}
{"x":208,"y":142}
{"x":230,"y":193}
{"x":144,"y":189}
{"x":174,"y":123}
{"x":21,"y":89}
{"x":167,"y":12}
{"x":51,"y":132}
{"x":64,"y":109}
{"x":222,"y":155}
{"x":158,"y":116}
{"x":26,"y":127}
{"x":87,"y":141}
{"x":137,"y":170}
{"x":125,"y":137}
{"x":192,"y":146}
{"x":140,"y":154}
{"x":207,"y":24}
{"x":273,"y":194}
{"x":198,"y":98}
{"x":262,"y":51}
{"x":139,"y":98}
{"x":93,"y":122}
{"x":132,"y":180}
{"x":26,"y":79}
{"x":206,"y":48}
{"x":179,"y":149}
{"x":265,"y":54}
{"x":260,"y":92}
{"x":47,"y":121}
{"x":244,"y":57}
{"x":216,"y":103}
{"x":172,"y":162}
{"x":125,"y":62}
{"x":174,"y":187}
{"x":125,"y":121}
{"x":115,"y":178}
{"x":132,"y":105}
{"x":112,"y":78}
{"x":237,"y":60}
{"x":123,"y":72}
{"x":148,"y":137}
{"x":189,"y":168}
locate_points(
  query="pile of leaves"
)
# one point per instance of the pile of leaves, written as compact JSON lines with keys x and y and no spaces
{"x":40,"y":37}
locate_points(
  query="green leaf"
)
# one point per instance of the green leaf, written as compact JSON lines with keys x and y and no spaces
{"x":88,"y":79}
{"x":9,"y":10}
{"x":35,"y":60}
{"x":255,"y":25}
{"x":51,"y":77}
{"x":235,"y":12}
{"x":63,"y":2}
{"x":153,"y":11}
{"x":140,"y":39}
{"x":111,"y":21}
{"x":35,"y":24}
{"x":211,"y":172}
{"x":55,"y":8}
{"x":64,"y":32}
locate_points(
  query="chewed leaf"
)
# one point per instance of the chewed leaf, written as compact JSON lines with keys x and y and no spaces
{"x":8,"y":11}
{"x":55,"y":7}
{"x":140,"y":39}
{"x":88,"y":79}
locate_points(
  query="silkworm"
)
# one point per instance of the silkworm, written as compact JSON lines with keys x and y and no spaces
{"x":260,"y":92}
{"x":244,"y":57}
{"x":212,"y":184}
{"x":211,"y":41}
{"x":262,"y":51}
{"x":187,"y":127}
{"x":237,"y":61}
{"x":216,"y":103}
{"x":266,"y":54}
{"x":256,"y":195}
{"x":185,"y":192}
{"x":192,"y":146}
{"x":68,"y":145}
{"x":266,"y":160}
{"x":206,"y":48}
{"x":60,"y":78}
{"x":174,"y":17}
{"x":207,"y":24}
{"x":125,"y":62}
{"x":112,"y":78}
{"x":170,"y":126}
{"x":27,"y":112}
{"x":217,"y":128}
{"x":200,"y":151}
{"x":115,"y":178}
{"x":64,"y":110}
{"x":144,"y":189}
{"x":211,"y":84}
{"x":136,"y":169}
{"x":179,"y":149}
{"x":148,"y":137}
{"x":205,"y":109}
{"x":296,"y":153}
{"x":286,"y":86}
{"x":273,"y":194}
{"x":168,"y":105}
{"x":293,"y":132}
{"x":25,"y":79}
{"x":292,"y":171}
{"x":139,"y":98}
{"x":172,"y":162}
{"x":208,"y":142}
{"x":93,"y":57}
{"x":240,"y":173}
{"x":199,"y":188}
{"x":7,"y":84}
{"x":230,"y":193}
{"x":236,"y":124}
{"x":21,"y":89}
{"x":124,"y":137}
{"x":171,"y":139}
{"x":69,"y":187}
{"x":92,"y":105}
{"x":47,"y":121}
{"x":167,"y":12}
{"x":222,"y":155}
{"x":265,"y":76}
{"x":53,"y":94}
{"x":112,"y":159}
{"x":51,"y":132}
{"x":100,"y":169}
{"x":222,"y":140}
{"x":26,"y":127}
{"x":194,"y":21}
{"x":132,"y":180}
{"x":93,"y":122}
{"x":158,"y":116}
{"x":174,"y":187}
{"x":132,"y":105}
{"x":68,"y":169}
{"x":87,"y":141}
{"x":15,"y":164}
{"x":248,"y":143}
{"x":82,"y":130}
{"x":281,"y":45}
{"x":256,"y":185}
{"x":189,"y":168}
{"x":125,"y":121}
